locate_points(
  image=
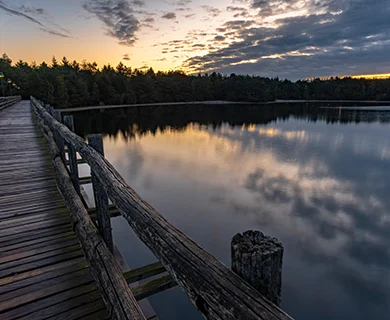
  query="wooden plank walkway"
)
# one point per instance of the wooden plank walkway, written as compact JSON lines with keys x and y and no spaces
{"x":43,"y":272}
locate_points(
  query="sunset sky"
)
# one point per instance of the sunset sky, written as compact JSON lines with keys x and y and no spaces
{"x":284,"y":38}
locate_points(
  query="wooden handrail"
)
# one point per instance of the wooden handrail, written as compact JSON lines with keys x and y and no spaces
{"x":116,"y":294}
{"x":216,"y":291}
{"x":9,"y":101}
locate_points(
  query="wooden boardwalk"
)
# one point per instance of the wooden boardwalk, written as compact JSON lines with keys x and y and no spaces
{"x":43,"y":272}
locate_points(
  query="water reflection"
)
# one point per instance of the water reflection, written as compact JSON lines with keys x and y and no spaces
{"x":317,"y":179}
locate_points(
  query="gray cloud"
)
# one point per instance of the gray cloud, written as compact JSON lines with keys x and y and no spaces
{"x":169,"y":16}
{"x":126,"y":57}
{"x":32,"y":10}
{"x":19,"y":13}
{"x":181,"y":3}
{"x":118,"y":17}
{"x":348,"y":37}
{"x":24,"y":12}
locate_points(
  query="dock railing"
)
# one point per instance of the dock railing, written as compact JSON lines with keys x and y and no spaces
{"x":215,"y":290}
{"x":8,"y":101}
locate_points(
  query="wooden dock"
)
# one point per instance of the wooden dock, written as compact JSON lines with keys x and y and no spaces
{"x":57,"y":257}
{"x":43,"y":272}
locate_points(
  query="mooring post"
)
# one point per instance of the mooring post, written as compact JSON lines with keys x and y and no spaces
{"x":101,"y":198}
{"x":74,"y":170}
{"x":258,"y":260}
{"x":59,"y":140}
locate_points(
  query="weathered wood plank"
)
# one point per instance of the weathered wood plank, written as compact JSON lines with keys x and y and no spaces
{"x":67,"y":254}
{"x":35,"y":242}
{"x":28,"y":262}
{"x":22,"y":253}
{"x":18,"y":280}
{"x":48,"y":287}
{"x":42,"y":304}
{"x":57,"y":309}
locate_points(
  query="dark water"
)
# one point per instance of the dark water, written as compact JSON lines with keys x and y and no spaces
{"x":317,"y":179}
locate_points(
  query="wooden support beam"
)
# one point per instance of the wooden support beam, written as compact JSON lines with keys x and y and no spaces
{"x":258,"y":260}
{"x":74,"y":170}
{"x":100,"y":195}
{"x":114,"y":212}
{"x":144,"y":272}
{"x":59,"y":140}
{"x":152,"y":287}
{"x":79,"y":161}
{"x":85,"y":180}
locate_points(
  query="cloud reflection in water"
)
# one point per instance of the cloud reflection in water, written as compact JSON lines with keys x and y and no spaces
{"x":322,"y":189}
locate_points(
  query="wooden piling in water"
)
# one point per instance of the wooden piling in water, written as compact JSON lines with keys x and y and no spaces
{"x":258,"y":259}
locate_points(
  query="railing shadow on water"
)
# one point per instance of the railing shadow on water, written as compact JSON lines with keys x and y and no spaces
{"x":215,"y":290}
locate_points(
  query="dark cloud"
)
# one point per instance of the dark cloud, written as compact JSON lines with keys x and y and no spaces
{"x":212,"y":11}
{"x":341,"y":37}
{"x":32,"y":10}
{"x":140,"y":3}
{"x":149,"y":20}
{"x":23,"y":12}
{"x":183,"y":9}
{"x":169,"y":16}
{"x":55,"y":33}
{"x":219,"y":38}
{"x":118,"y":17}
{"x":126,"y":57}
{"x":190,"y":15}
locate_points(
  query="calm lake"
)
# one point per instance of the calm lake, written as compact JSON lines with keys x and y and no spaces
{"x":317,"y":179}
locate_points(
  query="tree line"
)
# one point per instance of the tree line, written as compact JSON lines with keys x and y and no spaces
{"x":72,"y":84}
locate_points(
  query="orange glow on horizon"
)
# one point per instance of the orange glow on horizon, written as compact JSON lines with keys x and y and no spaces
{"x":372,"y":76}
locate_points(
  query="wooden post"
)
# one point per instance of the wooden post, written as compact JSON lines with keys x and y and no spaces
{"x":59,"y":140}
{"x":101,"y":198}
{"x":74,"y":170}
{"x":258,"y":260}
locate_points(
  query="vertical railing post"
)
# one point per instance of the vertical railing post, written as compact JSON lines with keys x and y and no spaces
{"x":101,"y":198}
{"x":258,"y":260}
{"x":59,"y":140}
{"x":74,"y":170}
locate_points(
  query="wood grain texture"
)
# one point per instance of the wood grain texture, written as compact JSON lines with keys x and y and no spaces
{"x":258,"y":259}
{"x":215,"y":290}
